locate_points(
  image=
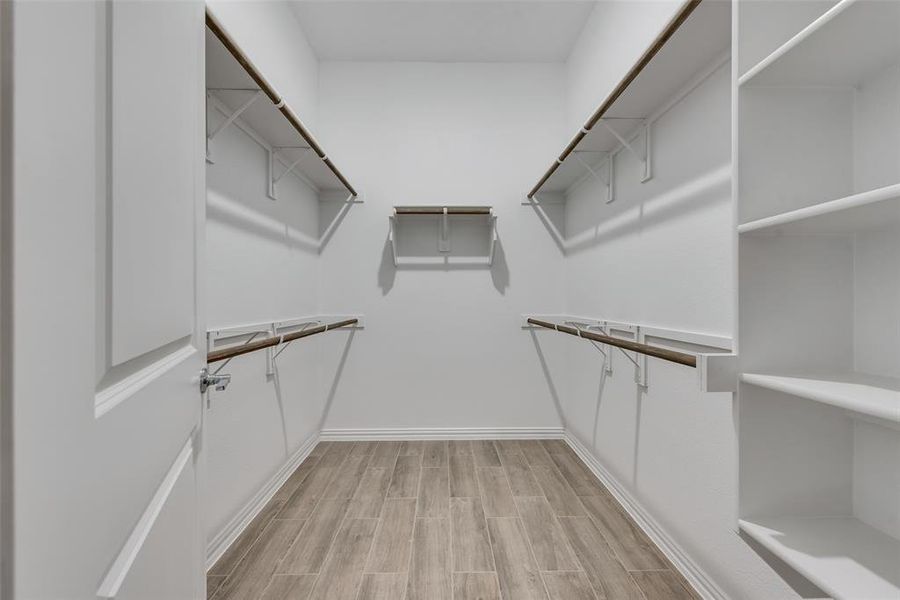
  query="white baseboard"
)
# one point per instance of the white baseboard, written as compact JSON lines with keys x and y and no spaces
{"x":444,"y":433}
{"x":224,"y":538}
{"x":696,"y":576}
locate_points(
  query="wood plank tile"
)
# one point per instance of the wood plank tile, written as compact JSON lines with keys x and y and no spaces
{"x":521,"y":479}
{"x":412,"y":448}
{"x":251,"y":575}
{"x":635,"y":550}
{"x":485,"y":453}
{"x":289,"y":587}
{"x":535,"y":453}
{"x":213,"y":583}
{"x":568,"y":585}
{"x":309,"y":551}
{"x":475,"y":586}
{"x":434,"y":493}
{"x":347,"y":478}
{"x":363,"y":448}
{"x":429,"y":576}
{"x":662,"y":585}
{"x":369,"y":496}
{"x":307,"y":495}
{"x":382,"y":586}
{"x":335,"y":454}
{"x":607,"y":575}
{"x":456,"y":447}
{"x":435,"y":454}
{"x":462,"y":476}
{"x":578,"y":475}
{"x":560,"y":496}
{"x":294,"y":481}
{"x":471,"y":545}
{"x":496,"y":496}
{"x":551,"y":549}
{"x":385,"y":455}
{"x":236,"y":551}
{"x":320,"y":449}
{"x":518,"y":574}
{"x":507,"y":448}
{"x":556,"y":446}
{"x":342,"y":572}
{"x":405,"y":479}
{"x":393,"y":538}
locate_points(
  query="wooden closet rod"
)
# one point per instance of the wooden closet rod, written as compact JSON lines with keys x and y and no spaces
{"x":681,"y":358}
{"x":277,"y":100}
{"x":686,"y":10}
{"x":232,"y":351}
{"x":439,"y":210}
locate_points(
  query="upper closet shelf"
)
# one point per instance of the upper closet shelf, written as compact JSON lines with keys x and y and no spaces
{"x":241,"y":94}
{"x":863,"y":394}
{"x":851,"y":42}
{"x":842,"y":555}
{"x":875,"y":209}
{"x":689,"y":48}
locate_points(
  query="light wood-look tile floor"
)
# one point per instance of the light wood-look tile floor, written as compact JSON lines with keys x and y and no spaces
{"x":435,"y":520}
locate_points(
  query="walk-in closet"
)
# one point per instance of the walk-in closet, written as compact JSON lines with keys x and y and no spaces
{"x":450,"y":300}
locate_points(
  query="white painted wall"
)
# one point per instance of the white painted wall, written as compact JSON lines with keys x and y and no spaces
{"x":661,"y":255}
{"x":268,"y":32}
{"x":614,"y":36}
{"x":442,"y":347}
{"x":262,"y":266}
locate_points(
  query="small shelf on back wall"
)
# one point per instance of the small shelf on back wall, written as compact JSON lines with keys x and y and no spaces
{"x":443,"y":235}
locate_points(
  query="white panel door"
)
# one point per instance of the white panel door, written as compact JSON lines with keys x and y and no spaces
{"x":108,"y":209}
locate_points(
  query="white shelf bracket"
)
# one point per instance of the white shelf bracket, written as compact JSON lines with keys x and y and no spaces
{"x":228,"y":121}
{"x":444,"y":234}
{"x":493,"y":235}
{"x":393,"y":237}
{"x":605,"y":180}
{"x":289,"y":168}
{"x":643,"y":158}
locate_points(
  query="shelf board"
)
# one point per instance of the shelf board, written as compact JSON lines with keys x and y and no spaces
{"x":843,"y":556}
{"x":850,"y":42}
{"x":230,"y":84}
{"x":701,"y":40}
{"x":864,"y":394}
{"x":874,"y":209}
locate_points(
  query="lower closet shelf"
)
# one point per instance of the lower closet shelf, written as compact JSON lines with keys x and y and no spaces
{"x":842,"y":555}
{"x":865,"y":394}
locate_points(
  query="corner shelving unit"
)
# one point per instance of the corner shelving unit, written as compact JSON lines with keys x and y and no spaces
{"x":443,"y":235}
{"x":818,"y":182}
{"x":239,"y":95}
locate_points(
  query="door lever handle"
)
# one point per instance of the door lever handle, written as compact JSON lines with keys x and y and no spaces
{"x":207,"y":380}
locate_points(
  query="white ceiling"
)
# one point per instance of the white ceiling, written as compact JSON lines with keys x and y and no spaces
{"x":443,"y":30}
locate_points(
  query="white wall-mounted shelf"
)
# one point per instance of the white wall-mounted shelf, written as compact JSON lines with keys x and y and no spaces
{"x":716,"y":362}
{"x":234,"y":93}
{"x":864,"y":394}
{"x":443,"y":235}
{"x":696,"y":47}
{"x":842,"y":555}
{"x":852,"y":41}
{"x":860,"y":212}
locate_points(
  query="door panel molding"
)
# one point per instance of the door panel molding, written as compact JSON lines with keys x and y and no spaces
{"x":117,"y":574}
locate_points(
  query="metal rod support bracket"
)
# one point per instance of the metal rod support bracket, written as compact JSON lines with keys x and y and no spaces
{"x":642,"y":157}
{"x":228,"y":121}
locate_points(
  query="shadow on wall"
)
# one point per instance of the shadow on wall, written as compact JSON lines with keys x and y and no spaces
{"x":387,"y":270}
{"x":336,"y":380}
{"x":551,"y":385}
{"x":603,"y":222}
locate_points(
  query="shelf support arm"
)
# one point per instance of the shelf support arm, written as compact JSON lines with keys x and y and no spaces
{"x":606,"y":181}
{"x":230,"y":119}
{"x":643,"y":159}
